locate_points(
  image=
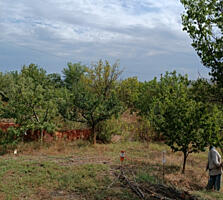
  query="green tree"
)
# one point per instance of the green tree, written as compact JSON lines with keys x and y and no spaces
{"x":186,"y":124}
{"x":6,"y":80}
{"x":102,"y":77}
{"x":72,"y":74}
{"x":147,"y":92}
{"x":129,"y":92}
{"x":202,"y":90}
{"x":32,"y":100}
{"x":94,"y":98}
{"x":4,"y":86}
{"x":203,"y":20}
{"x":56,"y":80}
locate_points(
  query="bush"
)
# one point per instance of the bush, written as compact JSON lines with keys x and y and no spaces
{"x":9,"y":139}
{"x":12,"y":136}
{"x":106,"y":129}
{"x":144,"y":131}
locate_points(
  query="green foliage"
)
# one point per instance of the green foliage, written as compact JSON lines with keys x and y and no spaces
{"x":203,"y":91}
{"x":208,"y":93}
{"x":203,"y":21}
{"x":32,"y":99}
{"x":73,"y":74}
{"x":145,"y":130}
{"x":102,"y":78}
{"x":129,"y":92}
{"x":12,"y":136}
{"x":145,"y":177}
{"x":6,"y":80}
{"x":187,"y":125}
{"x":106,"y":129}
{"x":56,"y":80}
{"x":93,"y":98}
{"x":147,"y":92}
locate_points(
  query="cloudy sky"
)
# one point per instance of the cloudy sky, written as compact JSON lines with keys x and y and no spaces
{"x":144,"y":35}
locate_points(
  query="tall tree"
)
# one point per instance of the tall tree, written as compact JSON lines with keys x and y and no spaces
{"x":203,"y":20}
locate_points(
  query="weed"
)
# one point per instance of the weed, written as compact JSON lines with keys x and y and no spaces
{"x":145,"y":177}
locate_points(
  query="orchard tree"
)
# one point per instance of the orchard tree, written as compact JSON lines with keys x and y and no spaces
{"x":102,"y":78}
{"x":92,"y":108}
{"x":94,"y":98}
{"x":185,"y":123}
{"x":71,"y":80}
{"x":6,"y":80}
{"x":203,"y":20}
{"x":4,"y":86}
{"x":202,"y":90}
{"x":32,"y":100}
{"x":72,"y":74}
{"x":147,"y":92}
{"x":129,"y":91}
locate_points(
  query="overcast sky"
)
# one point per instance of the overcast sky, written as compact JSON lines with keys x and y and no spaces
{"x":144,"y":35}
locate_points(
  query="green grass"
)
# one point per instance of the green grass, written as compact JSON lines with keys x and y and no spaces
{"x":146,"y":178}
{"x":24,"y":177}
{"x":82,"y":171}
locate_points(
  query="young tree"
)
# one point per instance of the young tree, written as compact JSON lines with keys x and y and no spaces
{"x":203,"y":21}
{"x":93,"y":98}
{"x":185,"y":124}
{"x":32,"y":99}
{"x":204,"y":91}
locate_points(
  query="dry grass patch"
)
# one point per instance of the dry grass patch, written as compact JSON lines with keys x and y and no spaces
{"x":62,"y":166}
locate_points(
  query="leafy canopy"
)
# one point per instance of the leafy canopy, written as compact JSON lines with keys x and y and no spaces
{"x":93,"y":97}
{"x":32,"y":99}
{"x":185,"y":124}
{"x":203,"y":20}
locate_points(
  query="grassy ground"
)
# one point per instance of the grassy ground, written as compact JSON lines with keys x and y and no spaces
{"x":81,"y":171}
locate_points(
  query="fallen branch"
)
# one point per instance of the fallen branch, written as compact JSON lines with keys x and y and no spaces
{"x":152,"y":191}
{"x":134,"y":187}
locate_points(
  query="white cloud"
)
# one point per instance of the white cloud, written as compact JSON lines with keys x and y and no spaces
{"x":95,"y":19}
{"x":90,"y":29}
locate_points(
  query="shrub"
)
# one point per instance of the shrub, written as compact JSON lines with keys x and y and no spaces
{"x":12,"y":136}
{"x":106,"y":129}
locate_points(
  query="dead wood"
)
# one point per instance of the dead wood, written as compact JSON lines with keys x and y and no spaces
{"x":152,"y":191}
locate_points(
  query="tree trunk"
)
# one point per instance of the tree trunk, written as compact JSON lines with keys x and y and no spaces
{"x":41,"y":136}
{"x":94,"y":134}
{"x":184,"y":163}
